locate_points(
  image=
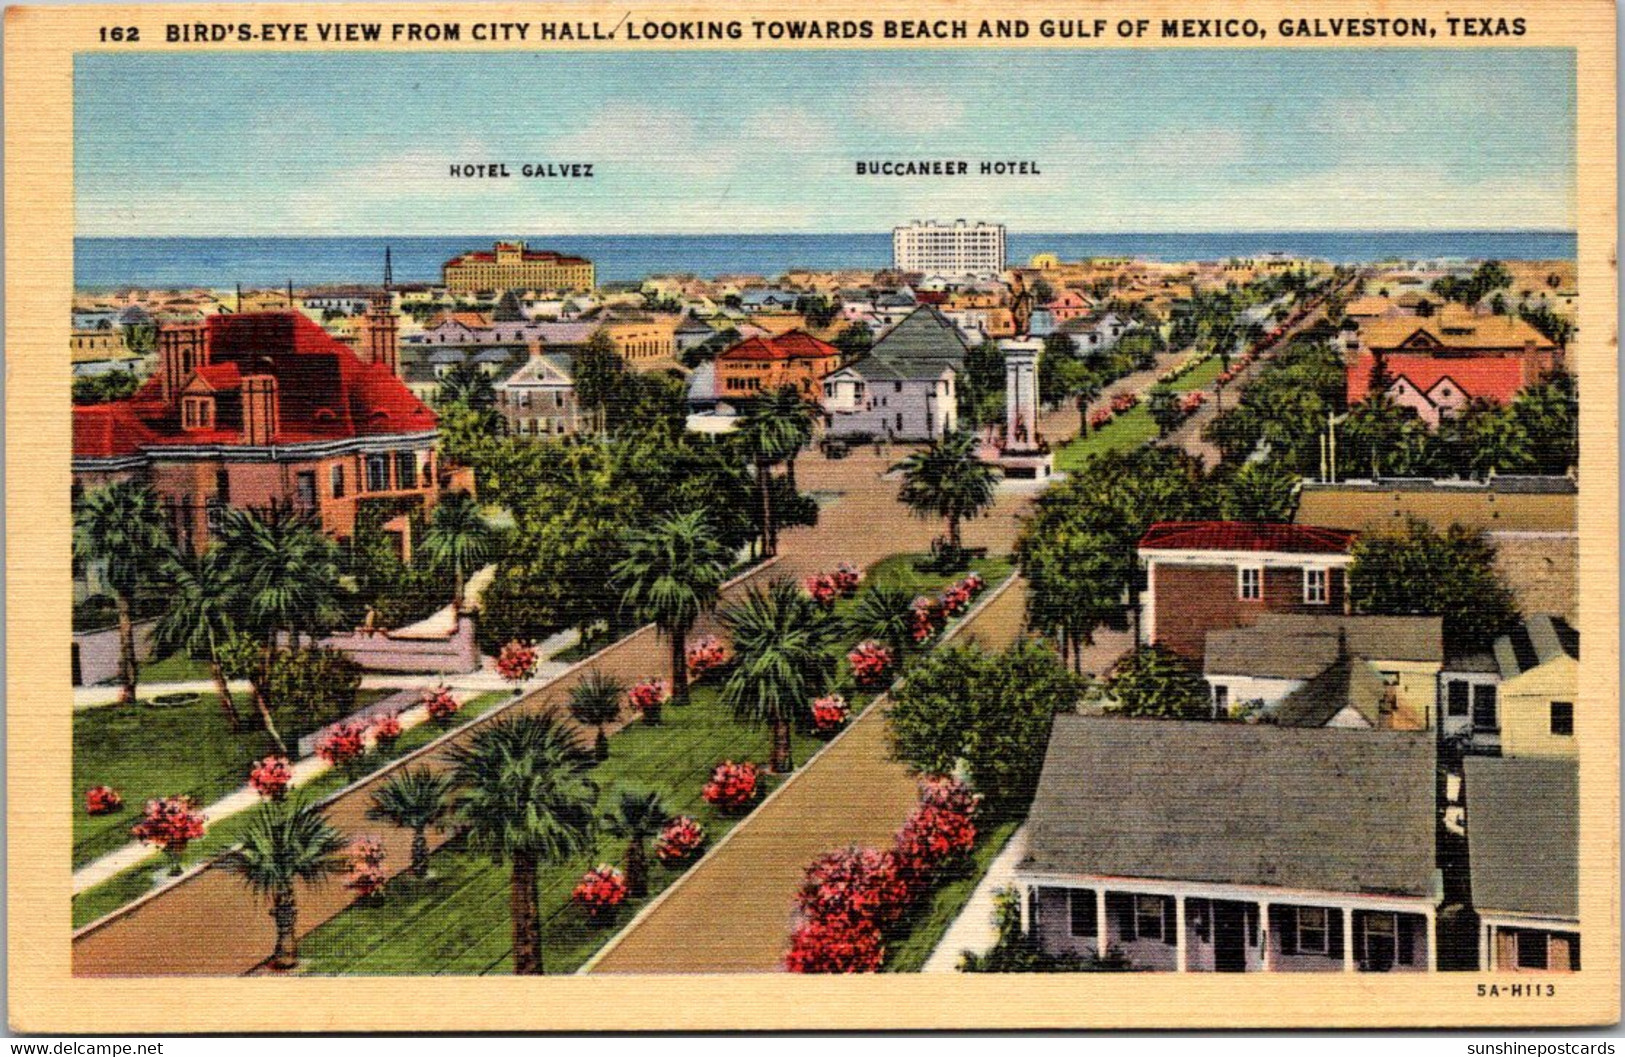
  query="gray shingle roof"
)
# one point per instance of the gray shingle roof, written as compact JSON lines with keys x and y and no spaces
{"x":1537,"y":641}
{"x":1315,"y":809}
{"x":1349,"y":682}
{"x":919,"y":346}
{"x":1523,"y":835}
{"x":1301,"y":646}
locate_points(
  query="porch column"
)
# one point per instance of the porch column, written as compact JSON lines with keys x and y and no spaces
{"x":1348,"y":939}
{"x":1486,"y":953}
{"x":1027,"y":897}
{"x":1264,"y":937}
{"x":1181,"y":950}
{"x":1432,"y":929}
{"x":1100,"y":921}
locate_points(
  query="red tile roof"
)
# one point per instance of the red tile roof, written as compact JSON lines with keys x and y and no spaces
{"x":1497,"y":378}
{"x":794,"y":345}
{"x":529,"y":255}
{"x":324,"y":392}
{"x":1246,"y":536}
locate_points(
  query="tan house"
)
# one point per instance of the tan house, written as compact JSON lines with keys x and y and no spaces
{"x":1539,"y":666}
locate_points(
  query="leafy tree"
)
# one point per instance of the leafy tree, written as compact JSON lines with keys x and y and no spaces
{"x":286,"y":843}
{"x":1260,"y":491}
{"x":672,"y":575}
{"x":414,"y":799}
{"x":817,"y":310}
{"x":595,"y":702}
{"x":105,"y":388}
{"x":598,"y":372}
{"x":121,"y":526}
{"x":525,"y":800}
{"x":197,"y":618}
{"x":1548,"y":415}
{"x":1153,"y":681}
{"x":467,"y":385}
{"x":948,"y":480}
{"x":1164,"y":407}
{"x":1495,"y":440}
{"x":1370,"y":438}
{"x":638,"y":818}
{"x":458,"y":539}
{"x":981,"y":386}
{"x":1419,"y":571}
{"x":1553,"y":326}
{"x":780,"y":639}
{"x":991,"y":712}
{"x":855,"y":341}
{"x":309,"y":687}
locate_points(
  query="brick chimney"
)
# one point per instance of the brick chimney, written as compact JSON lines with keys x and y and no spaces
{"x":182,"y":348}
{"x":379,"y":335}
{"x":260,"y":417}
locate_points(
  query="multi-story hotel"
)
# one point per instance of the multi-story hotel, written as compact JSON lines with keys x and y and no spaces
{"x":936,"y":249}
{"x":510,"y":266}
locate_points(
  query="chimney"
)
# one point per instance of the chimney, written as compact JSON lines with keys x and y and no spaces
{"x":183,"y":347}
{"x":260,"y":419}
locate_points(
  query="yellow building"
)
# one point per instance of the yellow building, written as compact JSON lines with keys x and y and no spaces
{"x":95,"y":345}
{"x":1539,"y":663}
{"x":510,"y":266}
{"x":645,"y":343}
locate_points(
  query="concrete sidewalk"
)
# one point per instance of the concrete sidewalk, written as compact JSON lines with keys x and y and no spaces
{"x":973,"y":929}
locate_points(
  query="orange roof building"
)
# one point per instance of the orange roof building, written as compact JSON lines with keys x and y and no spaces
{"x":760,"y":365}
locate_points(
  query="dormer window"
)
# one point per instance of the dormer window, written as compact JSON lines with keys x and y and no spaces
{"x":197,"y":412}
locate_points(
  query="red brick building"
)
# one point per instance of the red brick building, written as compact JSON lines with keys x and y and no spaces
{"x":1204,"y":576}
{"x":247,"y":410}
{"x":761,"y":365}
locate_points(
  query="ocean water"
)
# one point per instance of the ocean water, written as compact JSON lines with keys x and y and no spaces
{"x":270,"y":262}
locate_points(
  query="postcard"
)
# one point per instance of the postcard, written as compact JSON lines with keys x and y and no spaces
{"x":919,"y":515}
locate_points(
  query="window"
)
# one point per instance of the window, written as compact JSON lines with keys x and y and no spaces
{"x":1314,"y":586}
{"x":222,"y":486}
{"x":1250,"y":583}
{"x":305,"y":489}
{"x":1456,"y":693}
{"x":1081,"y":911}
{"x":406,"y":469}
{"x":336,"y":479}
{"x":1484,"y":710}
{"x":377,"y":473}
{"x":1148,"y":912}
{"x":1563,"y":719}
{"x":1532,"y":949}
{"x":1312,"y":930}
{"x":1221,"y":699}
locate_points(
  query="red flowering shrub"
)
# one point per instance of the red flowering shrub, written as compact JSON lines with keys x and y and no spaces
{"x":847,"y":577}
{"x":385,"y":729}
{"x":1189,"y":402}
{"x":870,"y":662}
{"x":102,"y":800}
{"x":835,"y":946}
{"x":973,"y":583}
{"x":440,"y":704}
{"x":854,"y":884}
{"x":733,"y":786}
{"x":821,"y":588}
{"x":170,"y":823}
{"x":367,"y":875}
{"x":271,"y":777}
{"x":647,"y":697}
{"x":933,"y":838}
{"x":1099,"y":419}
{"x":599,"y":892}
{"x":1124,"y":402}
{"x":680,"y":842}
{"x":955,"y":599}
{"x":343,"y":744}
{"x":830,"y":713}
{"x":517,"y":661}
{"x":927,"y":619}
{"x":948,"y":794}
{"x":705,"y":656}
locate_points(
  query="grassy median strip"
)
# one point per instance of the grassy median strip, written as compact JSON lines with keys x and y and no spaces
{"x":932,"y":919}
{"x":457,"y":922}
{"x":137,"y":881}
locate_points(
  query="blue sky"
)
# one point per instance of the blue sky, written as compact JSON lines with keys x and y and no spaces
{"x":698,"y":142}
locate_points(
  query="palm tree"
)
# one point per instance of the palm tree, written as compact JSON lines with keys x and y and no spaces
{"x":466,"y":384}
{"x":285,"y":843}
{"x":780,"y":638}
{"x":771,"y":435}
{"x":121,"y":525}
{"x":197,"y":618}
{"x":285,"y":579}
{"x":415,"y":800}
{"x":638,"y":817}
{"x":595,"y":701}
{"x":794,"y":415}
{"x":526,"y":800}
{"x":1086,"y":393}
{"x":671,"y":575}
{"x":948,"y":480}
{"x":883,"y":612}
{"x":458,"y":539}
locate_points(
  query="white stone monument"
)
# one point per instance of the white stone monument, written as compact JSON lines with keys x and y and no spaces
{"x":1025,"y":454}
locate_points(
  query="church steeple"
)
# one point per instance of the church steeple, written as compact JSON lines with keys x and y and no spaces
{"x":380,"y":342}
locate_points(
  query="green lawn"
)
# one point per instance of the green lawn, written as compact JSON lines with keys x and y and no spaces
{"x":932,"y":919}
{"x":176,"y":668}
{"x":1134,"y":427}
{"x":137,"y":881}
{"x":457,"y":922}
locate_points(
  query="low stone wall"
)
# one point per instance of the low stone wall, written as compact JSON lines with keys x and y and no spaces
{"x":380,"y":653}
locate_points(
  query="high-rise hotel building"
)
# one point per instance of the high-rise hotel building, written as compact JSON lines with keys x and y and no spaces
{"x":510,"y":266}
{"x":937,"y":249}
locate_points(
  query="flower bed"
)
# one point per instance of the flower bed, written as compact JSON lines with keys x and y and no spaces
{"x":440,"y":704}
{"x":733,"y":787}
{"x":367,"y":876}
{"x":102,"y":800}
{"x":680,"y":843}
{"x":706,"y":656}
{"x":170,"y":823}
{"x":517,"y":662}
{"x":343,"y":745}
{"x":870,"y":664}
{"x":271,"y":777}
{"x":648,"y":698}
{"x":830,"y":714}
{"x":386,"y":730}
{"x":600,"y":892}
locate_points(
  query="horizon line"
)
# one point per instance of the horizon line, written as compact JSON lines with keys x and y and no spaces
{"x":831,"y":234}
